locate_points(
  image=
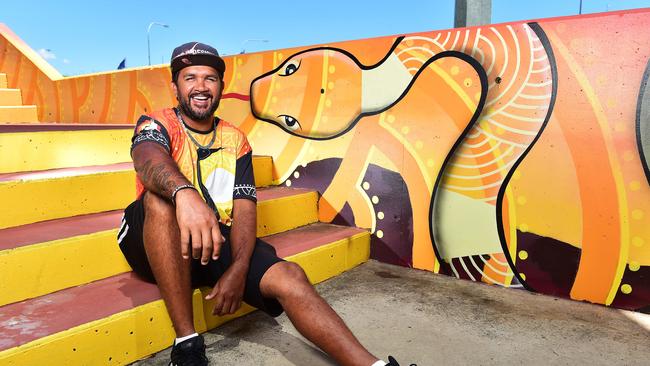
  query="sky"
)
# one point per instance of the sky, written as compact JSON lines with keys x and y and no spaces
{"x":80,"y":37}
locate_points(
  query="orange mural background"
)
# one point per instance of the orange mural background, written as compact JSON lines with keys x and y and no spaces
{"x":506,"y":154}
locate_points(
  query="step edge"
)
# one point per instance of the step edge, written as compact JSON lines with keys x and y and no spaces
{"x":5,"y":353}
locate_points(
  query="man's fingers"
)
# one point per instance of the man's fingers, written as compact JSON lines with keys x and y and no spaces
{"x":217,"y":240}
{"x":225,"y":307}
{"x":235,"y":305}
{"x":213,"y":293}
{"x":206,"y":250}
{"x":218,"y":305}
{"x":196,"y":244}
{"x":185,"y":243}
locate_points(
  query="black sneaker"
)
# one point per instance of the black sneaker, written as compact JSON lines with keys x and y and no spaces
{"x":393,"y":362}
{"x":190,"y":352}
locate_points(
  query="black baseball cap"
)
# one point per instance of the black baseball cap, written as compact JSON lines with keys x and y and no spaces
{"x":196,"y":53}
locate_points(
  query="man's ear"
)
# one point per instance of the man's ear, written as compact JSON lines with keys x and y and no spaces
{"x":175,"y":89}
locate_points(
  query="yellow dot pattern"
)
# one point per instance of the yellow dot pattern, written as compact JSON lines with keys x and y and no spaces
{"x":380,"y":215}
{"x":523,"y":228}
{"x":380,"y":234}
{"x":634,"y":266}
{"x":626,"y":289}
{"x":523,"y":255}
{"x":288,"y":183}
{"x":375,"y":199}
{"x":366,"y":185}
{"x":296,"y":175}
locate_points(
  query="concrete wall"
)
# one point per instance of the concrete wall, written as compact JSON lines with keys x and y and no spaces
{"x":510,"y":154}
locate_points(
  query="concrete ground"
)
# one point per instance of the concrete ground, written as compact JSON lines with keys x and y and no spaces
{"x":436,"y":320}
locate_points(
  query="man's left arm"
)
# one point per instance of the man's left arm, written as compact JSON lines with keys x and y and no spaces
{"x":229,"y":290}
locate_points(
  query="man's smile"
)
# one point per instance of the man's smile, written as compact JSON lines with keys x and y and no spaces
{"x":200,"y":101}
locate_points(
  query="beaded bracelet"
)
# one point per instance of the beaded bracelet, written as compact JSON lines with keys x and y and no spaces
{"x":181,"y":187}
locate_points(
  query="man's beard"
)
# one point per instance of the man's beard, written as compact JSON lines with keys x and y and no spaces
{"x":195,"y":115}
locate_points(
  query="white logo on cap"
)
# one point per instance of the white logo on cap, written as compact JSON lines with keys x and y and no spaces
{"x":194,"y":51}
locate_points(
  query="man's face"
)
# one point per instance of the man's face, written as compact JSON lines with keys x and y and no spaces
{"x":198,"y":90}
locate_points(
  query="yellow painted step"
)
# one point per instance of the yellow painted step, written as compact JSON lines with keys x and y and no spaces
{"x":18,"y":114}
{"x":10,"y":97}
{"x":263,"y":170}
{"x":3,"y":81}
{"x":47,"y":195}
{"x":33,"y":147}
{"x":62,"y":147}
{"x":132,"y":334}
{"x":40,"y":196}
{"x":91,"y":253}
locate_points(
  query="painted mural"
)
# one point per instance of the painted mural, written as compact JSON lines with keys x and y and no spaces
{"x":511,"y":154}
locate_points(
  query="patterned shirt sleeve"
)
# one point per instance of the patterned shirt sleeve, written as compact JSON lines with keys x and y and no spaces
{"x":244,"y":179}
{"x":148,"y":129}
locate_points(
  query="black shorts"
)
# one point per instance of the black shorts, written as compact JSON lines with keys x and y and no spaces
{"x":264,"y":256}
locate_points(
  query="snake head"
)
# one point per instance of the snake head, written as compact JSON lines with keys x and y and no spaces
{"x":315,"y":94}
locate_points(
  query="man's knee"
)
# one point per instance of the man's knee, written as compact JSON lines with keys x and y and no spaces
{"x":156,"y":206}
{"x":289,"y":280}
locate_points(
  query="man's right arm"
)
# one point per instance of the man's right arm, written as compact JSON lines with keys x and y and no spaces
{"x":197,"y":223}
{"x":157,"y":170}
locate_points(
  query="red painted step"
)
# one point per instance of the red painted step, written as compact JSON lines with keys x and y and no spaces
{"x":44,"y":231}
{"x":32,"y":319}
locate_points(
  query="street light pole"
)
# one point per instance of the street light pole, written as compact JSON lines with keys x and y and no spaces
{"x":149,"y":38}
{"x":580,"y":11}
{"x":251,"y":40}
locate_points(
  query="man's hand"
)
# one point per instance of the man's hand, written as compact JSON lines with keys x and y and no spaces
{"x":198,"y":226}
{"x":228,"y":291}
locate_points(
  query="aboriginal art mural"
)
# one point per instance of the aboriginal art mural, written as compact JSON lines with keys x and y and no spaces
{"x":512,"y":154}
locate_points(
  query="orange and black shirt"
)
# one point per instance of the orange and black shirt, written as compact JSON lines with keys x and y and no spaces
{"x":221,"y":173}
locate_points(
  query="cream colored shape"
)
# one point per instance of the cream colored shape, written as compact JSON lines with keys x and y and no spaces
{"x":220,"y":184}
{"x":382,"y":85}
{"x":465,"y":227}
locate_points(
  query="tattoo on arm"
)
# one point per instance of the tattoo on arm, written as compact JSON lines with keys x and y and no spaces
{"x":159,"y":174}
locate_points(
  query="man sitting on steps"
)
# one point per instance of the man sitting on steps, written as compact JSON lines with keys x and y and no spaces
{"x":194,"y":221}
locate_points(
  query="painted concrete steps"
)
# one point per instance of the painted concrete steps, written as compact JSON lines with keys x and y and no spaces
{"x":121,"y":319}
{"x":35,"y":147}
{"x":12,"y":109}
{"x":46,"y":195}
{"x":30,"y":197}
{"x":9,"y":97}
{"x":44,"y":146}
{"x":53,"y":255}
{"x":18,"y":114}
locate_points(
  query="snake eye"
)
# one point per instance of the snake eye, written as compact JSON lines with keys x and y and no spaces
{"x":289,"y":122}
{"x":291,"y":67}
